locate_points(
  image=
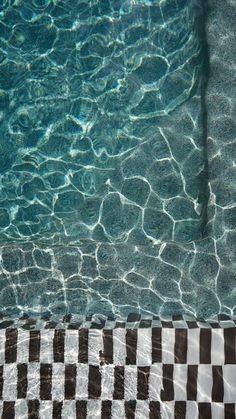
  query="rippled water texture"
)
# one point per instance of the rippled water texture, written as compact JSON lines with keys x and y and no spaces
{"x":103,"y":146}
{"x":101,"y":121}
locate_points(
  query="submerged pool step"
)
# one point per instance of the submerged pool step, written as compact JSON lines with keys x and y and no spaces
{"x":137,"y":368}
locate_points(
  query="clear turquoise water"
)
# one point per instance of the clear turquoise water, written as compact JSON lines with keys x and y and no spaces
{"x":103,"y":161}
{"x":101,"y":122}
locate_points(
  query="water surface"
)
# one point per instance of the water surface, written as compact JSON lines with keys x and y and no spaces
{"x":101,"y":122}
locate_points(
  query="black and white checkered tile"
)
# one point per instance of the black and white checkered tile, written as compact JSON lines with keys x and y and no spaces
{"x":133,"y":321}
{"x":151,"y":369}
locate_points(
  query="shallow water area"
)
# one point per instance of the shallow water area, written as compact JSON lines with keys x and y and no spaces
{"x":110,"y":196}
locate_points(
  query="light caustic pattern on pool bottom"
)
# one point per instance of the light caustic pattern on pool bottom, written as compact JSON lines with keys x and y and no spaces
{"x":167,"y":278}
{"x":101,"y":122}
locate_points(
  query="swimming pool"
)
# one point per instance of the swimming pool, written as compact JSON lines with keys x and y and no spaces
{"x":112,"y":198}
{"x":117,"y":209}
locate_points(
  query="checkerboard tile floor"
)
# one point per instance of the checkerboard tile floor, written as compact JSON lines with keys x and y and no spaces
{"x":141,"y":368}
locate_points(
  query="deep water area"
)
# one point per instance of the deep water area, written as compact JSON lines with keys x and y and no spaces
{"x":102,"y":131}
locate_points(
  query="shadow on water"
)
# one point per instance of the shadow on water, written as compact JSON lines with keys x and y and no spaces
{"x":202,"y":8}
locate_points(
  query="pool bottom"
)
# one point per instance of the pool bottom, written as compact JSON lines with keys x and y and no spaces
{"x":167,"y":278}
{"x":97,"y":278}
{"x":102,"y":122}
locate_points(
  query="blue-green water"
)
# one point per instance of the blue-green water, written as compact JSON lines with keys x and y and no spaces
{"x":104,"y":160}
{"x":101,"y":122}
